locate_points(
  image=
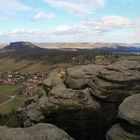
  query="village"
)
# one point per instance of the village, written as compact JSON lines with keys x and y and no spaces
{"x":25,"y":81}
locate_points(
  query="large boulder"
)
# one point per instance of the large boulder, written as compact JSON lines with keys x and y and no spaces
{"x":54,"y":78}
{"x":78,"y":77}
{"x":62,"y":98}
{"x":116,"y":81}
{"x":31,"y":115}
{"x":118,"y":133}
{"x":129,"y":110}
{"x":75,"y":111}
{"x":36,"y":132}
{"x":129,"y":114}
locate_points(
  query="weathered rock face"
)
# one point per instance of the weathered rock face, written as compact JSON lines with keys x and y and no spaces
{"x":62,"y":98}
{"x":36,"y":132}
{"x":129,"y":113}
{"x":116,"y":81}
{"x":31,"y":115}
{"x":78,"y":77}
{"x":54,"y":78}
{"x":73,"y":110}
{"x":85,"y":105}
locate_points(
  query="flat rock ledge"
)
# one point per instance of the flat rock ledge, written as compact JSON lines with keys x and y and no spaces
{"x":37,"y":132}
{"x":116,"y":81}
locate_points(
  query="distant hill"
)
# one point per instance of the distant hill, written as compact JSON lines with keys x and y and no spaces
{"x":100,"y":47}
{"x":119,"y":48}
{"x":2,"y":45}
{"x":22,"y":46}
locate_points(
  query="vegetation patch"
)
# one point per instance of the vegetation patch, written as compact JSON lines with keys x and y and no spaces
{"x":9,"y":90}
{"x":3,"y":98}
{"x":12,"y":105}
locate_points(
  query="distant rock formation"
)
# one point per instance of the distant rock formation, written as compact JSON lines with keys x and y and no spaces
{"x":37,"y":132}
{"x":103,"y":59}
{"x":22,"y":46}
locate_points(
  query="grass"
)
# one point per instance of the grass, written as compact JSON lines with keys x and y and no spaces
{"x":12,"y":105}
{"x":11,"y":64}
{"x":3,"y":98}
{"x":9,"y":89}
{"x":36,"y":68}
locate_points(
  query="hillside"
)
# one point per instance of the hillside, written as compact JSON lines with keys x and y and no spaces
{"x":107,"y":47}
{"x":98,"y":47}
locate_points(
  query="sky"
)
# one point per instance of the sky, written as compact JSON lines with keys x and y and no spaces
{"x":70,"y":21}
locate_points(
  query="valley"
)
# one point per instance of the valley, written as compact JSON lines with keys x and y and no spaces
{"x":78,"y":90}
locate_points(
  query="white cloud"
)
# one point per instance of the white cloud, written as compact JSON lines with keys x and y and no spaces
{"x":77,"y":7}
{"x":101,"y":30}
{"x":43,"y":16}
{"x":110,"y":22}
{"x":12,"y":6}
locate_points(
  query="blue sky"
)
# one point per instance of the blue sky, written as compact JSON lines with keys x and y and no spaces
{"x":70,"y":20}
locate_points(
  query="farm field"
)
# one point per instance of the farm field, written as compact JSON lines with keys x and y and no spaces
{"x":9,"y":89}
{"x":8,"y":99}
{"x":3,"y":98}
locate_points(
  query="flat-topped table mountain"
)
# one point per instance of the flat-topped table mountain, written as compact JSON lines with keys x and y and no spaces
{"x":22,"y":46}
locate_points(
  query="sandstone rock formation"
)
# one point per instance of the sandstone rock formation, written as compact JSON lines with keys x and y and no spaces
{"x":103,"y":60}
{"x":129,"y":110}
{"x":129,"y":114}
{"x":85,"y":105}
{"x":37,"y":132}
{"x":31,"y":115}
{"x":78,"y":77}
{"x":116,"y":81}
{"x":54,"y":78}
{"x":73,"y":110}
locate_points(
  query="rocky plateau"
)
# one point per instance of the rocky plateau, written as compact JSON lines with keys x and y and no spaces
{"x":89,"y":102}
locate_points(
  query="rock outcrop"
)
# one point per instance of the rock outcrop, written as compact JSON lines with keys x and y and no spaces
{"x":78,"y":77}
{"x":85,"y":104}
{"x":129,"y":114}
{"x":116,"y":81}
{"x":129,"y":110}
{"x":37,"y":132}
{"x":54,"y":78}
{"x":73,"y":110}
{"x":103,"y":59}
